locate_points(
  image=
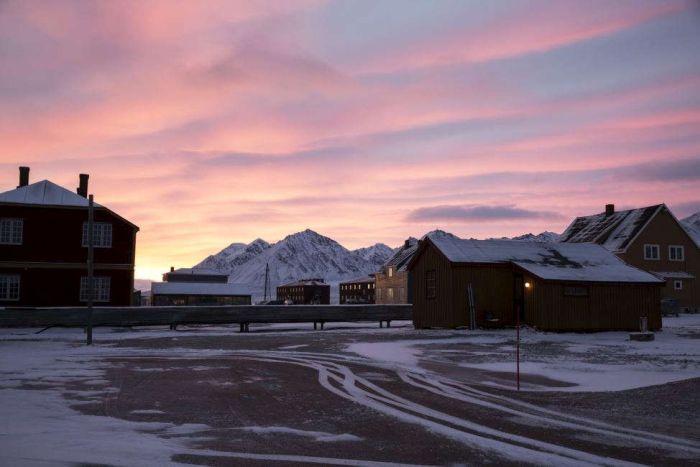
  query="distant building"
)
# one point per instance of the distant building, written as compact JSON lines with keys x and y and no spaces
{"x":357,"y":291}
{"x":393,"y":281}
{"x":198,"y":287}
{"x":650,"y":238}
{"x":305,"y":292}
{"x":44,"y":247}
{"x":195,"y":275}
{"x":554,"y":286}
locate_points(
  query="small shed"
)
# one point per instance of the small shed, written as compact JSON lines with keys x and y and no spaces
{"x":554,"y":286}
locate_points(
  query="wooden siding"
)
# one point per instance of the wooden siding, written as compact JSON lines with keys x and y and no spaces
{"x":608,"y":307}
{"x":61,"y":287}
{"x":492,"y":286}
{"x":400,"y":281}
{"x":605,"y":307}
{"x":51,"y":258}
{"x":664,"y":230}
{"x":437,"y":311}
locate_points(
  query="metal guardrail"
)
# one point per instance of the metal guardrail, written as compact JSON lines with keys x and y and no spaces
{"x":175,"y":315}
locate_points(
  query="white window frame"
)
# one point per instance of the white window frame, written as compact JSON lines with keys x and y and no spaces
{"x":391,"y":271}
{"x":390,"y":293}
{"x":10,"y":283}
{"x":677,"y":284}
{"x":658,"y":251}
{"x":11,"y":231}
{"x":678,"y":248}
{"x":102,"y":232}
{"x":101,"y":288}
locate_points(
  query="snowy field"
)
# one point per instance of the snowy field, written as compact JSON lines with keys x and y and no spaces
{"x":352,"y":394}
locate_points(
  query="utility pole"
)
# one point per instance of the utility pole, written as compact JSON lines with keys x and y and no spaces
{"x":267,"y":280}
{"x":517,"y":345}
{"x":90,"y":266}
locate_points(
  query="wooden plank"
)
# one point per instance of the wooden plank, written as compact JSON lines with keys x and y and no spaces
{"x":157,"y":315}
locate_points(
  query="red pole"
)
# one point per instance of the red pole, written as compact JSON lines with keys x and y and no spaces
{"x":517,"y":346}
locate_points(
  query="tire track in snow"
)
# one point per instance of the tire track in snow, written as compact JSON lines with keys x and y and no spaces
{"x":340,"y":380}
{"x":465,"y":393}
{"x":474,"y":435}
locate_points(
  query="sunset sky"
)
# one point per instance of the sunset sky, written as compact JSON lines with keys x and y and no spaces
{"x":208,"y":122}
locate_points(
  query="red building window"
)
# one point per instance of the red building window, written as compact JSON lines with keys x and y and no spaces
{"x":11,"y":231}
{"x":100,"y":292}
{"x":101,"y":235}
{"x":9,"y":287}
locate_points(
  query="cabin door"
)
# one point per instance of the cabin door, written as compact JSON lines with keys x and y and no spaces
{"x":518,"y":296}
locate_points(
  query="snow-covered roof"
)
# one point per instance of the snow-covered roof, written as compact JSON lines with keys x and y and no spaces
{"x":44,"y":193}
{"x":402,"y":257}
{"x":47,"y":193}
{"x":198,"y":288}
{"x":197,"y":272}
{"x":303,"y":282}
{"x":673,"y":274}
{"x":359,"y":280}
{"x":614,"y":231}
{"x":546,"y":260}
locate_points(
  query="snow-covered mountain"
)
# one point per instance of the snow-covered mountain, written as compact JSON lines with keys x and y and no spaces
{"x":301,"y":255}
{"x":692,"y":225}
{"x":545,"y":236}
{"x":234,"y":255}
{"x":377,"y":254}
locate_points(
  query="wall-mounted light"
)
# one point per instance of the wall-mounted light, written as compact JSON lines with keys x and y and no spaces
{"x":527,"y":285}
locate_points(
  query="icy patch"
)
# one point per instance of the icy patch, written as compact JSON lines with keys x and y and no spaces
{"x":316,"y":435}
{"x":146,"y":412}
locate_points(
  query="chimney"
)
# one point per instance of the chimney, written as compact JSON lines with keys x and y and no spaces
{"x":83,"y":187}
{"x":172,"y":268}
{"x":23,"y":177}
{"x":406,"y":243}
{"x":609,"y":209}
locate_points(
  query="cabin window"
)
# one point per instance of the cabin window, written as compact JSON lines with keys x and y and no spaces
{"x":391,"y":272}
{"x":9,"y":287}
{"x":101,"y":232}
{"x":390,"y":293}
{"x":677,"y":285}
{"x":430,"y":284}
{"x":575,"y":291}
{"x":11,"y":231}
{"x":100,"y":291}
{"x":676,"y":253}
{"x":651,"y":252}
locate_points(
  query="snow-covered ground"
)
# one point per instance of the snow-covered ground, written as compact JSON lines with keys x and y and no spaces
{"x":606,"y":361}
{"x":45,"y":377}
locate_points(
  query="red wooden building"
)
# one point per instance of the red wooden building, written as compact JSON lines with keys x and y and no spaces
{"x":43,"y":247}
{"x":305,"y":292}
